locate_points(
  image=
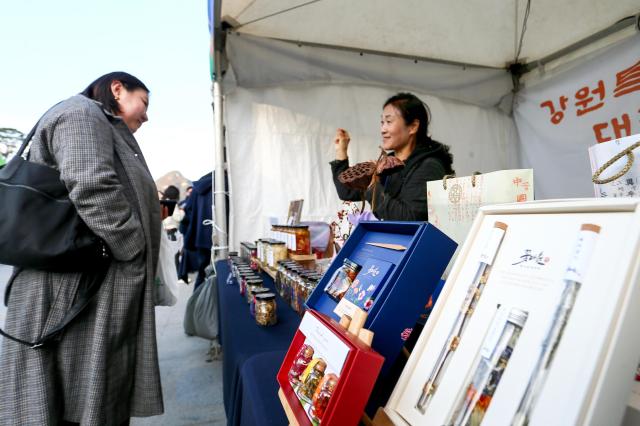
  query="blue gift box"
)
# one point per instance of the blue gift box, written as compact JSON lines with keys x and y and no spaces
{"x":405,"y":291}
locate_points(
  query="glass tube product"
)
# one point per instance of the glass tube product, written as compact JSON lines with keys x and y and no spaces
{"x":488,"y":369}
{"x":467,"y":309}
{"x":574,"y":276}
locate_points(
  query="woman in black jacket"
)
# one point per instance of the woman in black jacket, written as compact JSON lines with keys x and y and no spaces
{"x":403,"y":194}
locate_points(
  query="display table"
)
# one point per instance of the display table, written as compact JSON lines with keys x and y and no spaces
{"x":241,"y":339}
{"x":259,"y":403}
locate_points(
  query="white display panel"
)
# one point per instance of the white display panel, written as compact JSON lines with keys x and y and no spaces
{"x":528,"y":274}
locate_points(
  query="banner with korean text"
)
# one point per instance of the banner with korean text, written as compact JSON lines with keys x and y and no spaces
{"x":588,"y":101}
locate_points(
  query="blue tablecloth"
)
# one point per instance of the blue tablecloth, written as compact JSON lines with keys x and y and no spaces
{"x":242,"y":338}
{"x":258,"y":403}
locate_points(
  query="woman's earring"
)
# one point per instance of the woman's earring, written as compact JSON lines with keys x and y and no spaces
{"x":117,"y":98}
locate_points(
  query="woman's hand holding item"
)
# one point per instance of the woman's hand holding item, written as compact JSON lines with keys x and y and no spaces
{"x":341,"y":143}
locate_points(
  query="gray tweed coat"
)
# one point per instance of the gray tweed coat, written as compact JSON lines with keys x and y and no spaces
{"x":105,"y":368}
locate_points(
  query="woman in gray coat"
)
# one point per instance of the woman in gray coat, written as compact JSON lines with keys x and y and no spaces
{"x":104,"y":369}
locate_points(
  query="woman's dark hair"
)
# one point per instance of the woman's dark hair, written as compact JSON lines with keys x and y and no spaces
{"x":412,"y":108}
{"x":100,"y":89}
{"x":171,"y":193}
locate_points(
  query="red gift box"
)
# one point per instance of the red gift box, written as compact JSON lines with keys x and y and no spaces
{"x":357,"y":377}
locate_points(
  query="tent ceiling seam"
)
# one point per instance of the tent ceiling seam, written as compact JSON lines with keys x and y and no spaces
{"x":248,"y":5}
{"x":363,"y":52}
{"x":277,"y":13}
{"x":523,"y":31}
{"x":618,"y":26}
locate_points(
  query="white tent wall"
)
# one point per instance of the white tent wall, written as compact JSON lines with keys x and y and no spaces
{"x":558,"y":152}
{"x":279,"y":144}
{"x":263,"y":62}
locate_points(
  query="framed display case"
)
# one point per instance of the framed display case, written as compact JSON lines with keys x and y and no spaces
{"x":537,"y":323}
{"x":397,"y":266}
{"x":327,"y":374}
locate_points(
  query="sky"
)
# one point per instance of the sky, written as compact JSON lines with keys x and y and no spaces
{"x":52,"y":50}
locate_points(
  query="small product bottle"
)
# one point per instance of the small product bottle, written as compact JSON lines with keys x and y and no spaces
{"x":299,"y":364}
{"x":321,"y":397}
{"x":307,"y":389}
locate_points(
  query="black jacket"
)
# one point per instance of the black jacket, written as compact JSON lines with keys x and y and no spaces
{"x":402,"y":195}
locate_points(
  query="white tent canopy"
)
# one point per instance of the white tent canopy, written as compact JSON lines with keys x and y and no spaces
{"x":296,"y":70}
{"x":480,"y":32}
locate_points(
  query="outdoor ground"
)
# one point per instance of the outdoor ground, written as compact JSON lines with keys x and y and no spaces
{"x":191,"y":382}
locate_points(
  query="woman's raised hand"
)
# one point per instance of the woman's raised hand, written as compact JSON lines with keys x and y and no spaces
{"x":341,"y":143}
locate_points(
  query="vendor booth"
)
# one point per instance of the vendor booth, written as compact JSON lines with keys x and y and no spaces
{"x":524,"y":86}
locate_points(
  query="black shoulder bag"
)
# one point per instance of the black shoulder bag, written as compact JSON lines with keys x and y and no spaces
{"x":41,"y":229}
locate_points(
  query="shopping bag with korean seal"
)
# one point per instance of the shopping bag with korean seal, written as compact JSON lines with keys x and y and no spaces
{"x":616,"y":172}
{"x":453,"y":202}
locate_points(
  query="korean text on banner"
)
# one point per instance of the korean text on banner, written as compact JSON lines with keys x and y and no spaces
{"x":591,"y":100}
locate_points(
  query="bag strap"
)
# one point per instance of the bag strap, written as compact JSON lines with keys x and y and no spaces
{"x":27,"y":139}
{"x":87,"y":289}
{"x":628,"y":152}
{"x":473,"y":179}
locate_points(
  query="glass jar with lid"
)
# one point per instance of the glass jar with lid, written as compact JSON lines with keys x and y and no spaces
{"x":296,"y":291}
{"x":245,"y":276}
{"x":240,"y":272}
{"x":277,"y":281}
{"x":342,"y":279}
{"x":259,"y":249}
{"x":290,"y":284}
{"x":252,"y":284}
{"x":302,"y":240}
{"x":310,"y":285}
{"x":278,"y":251}
{"x":252,"y":304}
{"x":265,"y":309}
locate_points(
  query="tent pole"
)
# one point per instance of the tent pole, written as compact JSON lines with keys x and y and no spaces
{"x":219,"y":190}
{"x":220,"y":236}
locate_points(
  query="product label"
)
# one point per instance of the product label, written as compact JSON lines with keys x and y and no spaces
{"x":581,"y":255}
{"x":490,"y":250}
{"x":326,"y":345}
{"x":495,"y":331}
{"x":345,"y":307}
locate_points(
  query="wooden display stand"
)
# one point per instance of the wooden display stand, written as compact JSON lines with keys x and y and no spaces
{"x":306,"y":260}
{"x":287,"y":409}
{"x":381,"y":418}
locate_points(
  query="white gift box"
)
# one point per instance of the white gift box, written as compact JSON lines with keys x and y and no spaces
{"x":590,"y":377}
